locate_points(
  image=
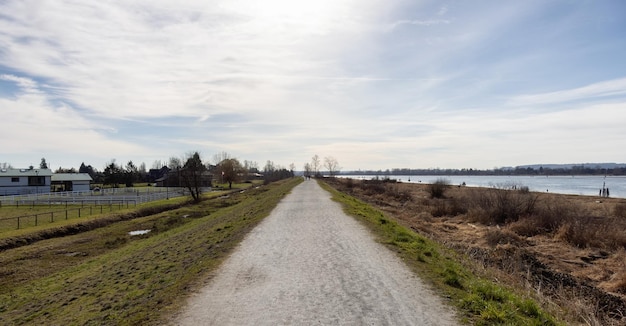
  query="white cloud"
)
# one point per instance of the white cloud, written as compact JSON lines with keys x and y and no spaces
{"x":588,"y":92}
{"x":469,"y":85}
{"x":39,"y":127}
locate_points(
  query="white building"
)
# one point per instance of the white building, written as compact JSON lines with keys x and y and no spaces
{"x":24,"y":181}
{"x":71,"y":181}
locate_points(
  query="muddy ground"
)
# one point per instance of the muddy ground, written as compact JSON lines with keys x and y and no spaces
{"x":584,"y":282}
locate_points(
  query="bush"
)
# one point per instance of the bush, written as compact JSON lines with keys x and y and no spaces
{"x":448,"y":207}
{"x":547,"y":218}
{"x":438,"y":188}
{"x":399,"y":193}
{"x":373,"y":188}
{"x":499,"y":206}
{"x":578,"y":232}
{"x":594,"y":232}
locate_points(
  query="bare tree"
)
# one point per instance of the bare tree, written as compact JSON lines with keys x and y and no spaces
{"x":315,"y":164}
{"x":307,"y":170}
{"x":219,"y":157}
{"x":175,"y":163}
{"x":269,"y":167}
{"x":157,"y":164}
{"x":251,"y":166}
{"x":231,"y":171}
{"x":331,"y":165}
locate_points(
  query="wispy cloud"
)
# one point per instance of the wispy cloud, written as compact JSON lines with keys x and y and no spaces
{"x":593,"y":91}
{"x":369,"y":82}
{"x":418,"y":22}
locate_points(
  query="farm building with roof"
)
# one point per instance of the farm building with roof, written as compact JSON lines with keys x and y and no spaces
{"x":24,"y":181}
{"x":71,"y":181}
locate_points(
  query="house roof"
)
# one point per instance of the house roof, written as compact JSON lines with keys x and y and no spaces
{"x":25,"y":172}
{"x":58,"y":177}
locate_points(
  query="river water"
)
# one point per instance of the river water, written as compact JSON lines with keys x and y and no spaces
{"x":573,"y":185}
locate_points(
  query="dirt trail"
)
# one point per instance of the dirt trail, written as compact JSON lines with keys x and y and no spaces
{"x":309,"y":263}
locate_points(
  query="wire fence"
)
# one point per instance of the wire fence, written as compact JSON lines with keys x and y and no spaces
{"x":141,"y":195}
{"x":90,"y":202}
{"x":25,"y":221}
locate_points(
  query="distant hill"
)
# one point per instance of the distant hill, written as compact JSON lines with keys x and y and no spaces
{"x":570,"y":166}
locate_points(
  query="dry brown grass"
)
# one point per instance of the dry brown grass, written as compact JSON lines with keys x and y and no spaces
{"x":568,"y":250}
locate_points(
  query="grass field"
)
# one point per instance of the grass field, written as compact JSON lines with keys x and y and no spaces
{"x":29,"y":215}
{"x":107,"y":277}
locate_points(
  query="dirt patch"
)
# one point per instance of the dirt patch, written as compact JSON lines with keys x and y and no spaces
{"x":550,"y":244}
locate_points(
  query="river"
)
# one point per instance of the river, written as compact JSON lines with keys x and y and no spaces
{"x":573,"y":185}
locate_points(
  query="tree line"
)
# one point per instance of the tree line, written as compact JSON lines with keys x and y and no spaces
{"x":189,"y":171}
{"x":574,"y":170}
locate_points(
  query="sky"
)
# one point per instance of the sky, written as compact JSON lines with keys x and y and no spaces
{"x":373,"y":84}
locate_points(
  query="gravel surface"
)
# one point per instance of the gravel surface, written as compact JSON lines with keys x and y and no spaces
{"x":308,"y":263}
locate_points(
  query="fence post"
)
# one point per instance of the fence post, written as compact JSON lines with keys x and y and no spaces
{"x":51,"y":217}
{"x":18,"y":222}
{"x":36,"y":220}
{"x":79,"y":211}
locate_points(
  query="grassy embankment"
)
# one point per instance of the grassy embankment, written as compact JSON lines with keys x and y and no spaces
{"x":107,"y":277}
{"x":482,"y":301}
{"x":45,"y":217}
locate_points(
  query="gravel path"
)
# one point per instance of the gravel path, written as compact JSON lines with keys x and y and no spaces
{"x":310,"y":264}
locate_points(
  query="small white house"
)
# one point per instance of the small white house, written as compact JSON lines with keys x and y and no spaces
{"x":71,"y":181}
{"x":24,"y":181}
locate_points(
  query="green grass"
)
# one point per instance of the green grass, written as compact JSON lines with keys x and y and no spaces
{"x":50,"y":216}
{"x":481,"y":301}
{"x":135,"y":280}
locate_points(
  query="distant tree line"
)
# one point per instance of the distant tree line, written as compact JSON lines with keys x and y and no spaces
{"x":574,"y":170}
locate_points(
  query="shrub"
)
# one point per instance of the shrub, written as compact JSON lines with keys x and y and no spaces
{"x":399,"y":193}
{"x":581,"y":229}
{"x":373,"y":188}
{"x":499,"y":206}
{"x":448,"y":207}
{"x":438,"y":188}
{"x":547,"y":218}
{"x":580,"y":233}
